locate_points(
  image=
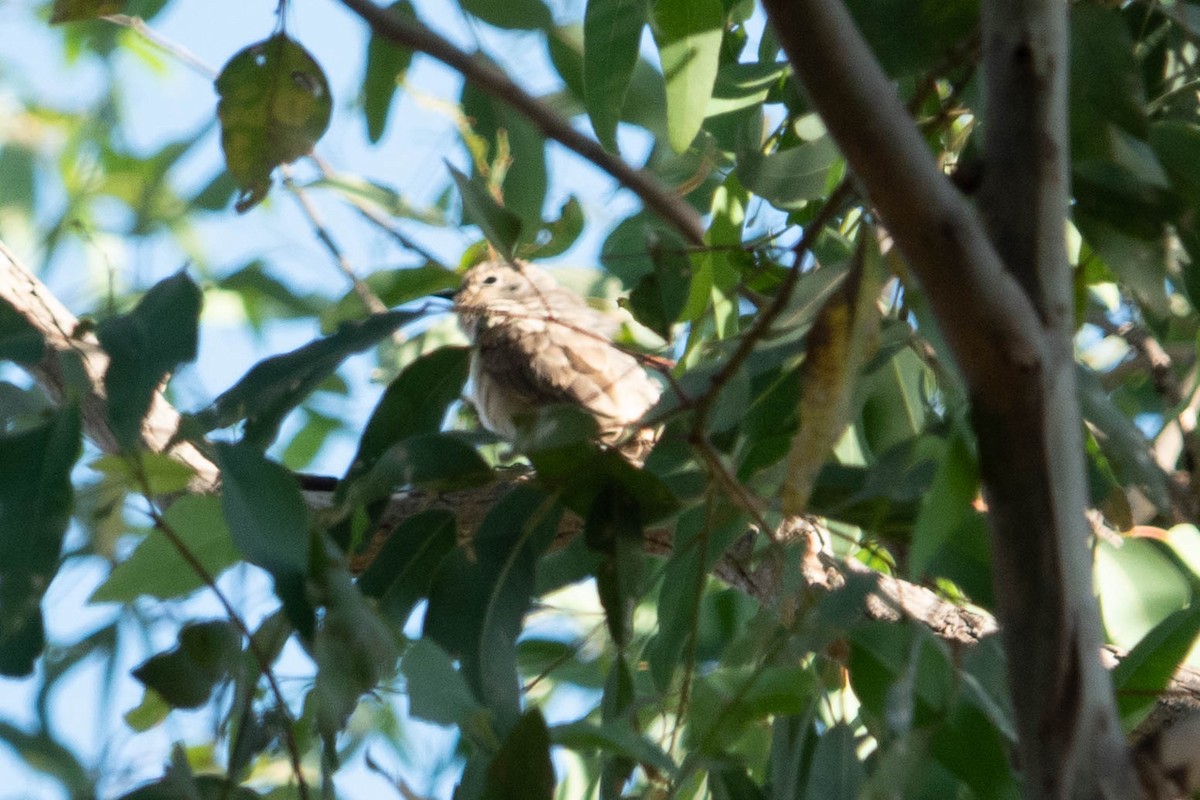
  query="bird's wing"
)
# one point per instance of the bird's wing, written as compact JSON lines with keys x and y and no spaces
{"x":547,"y":362}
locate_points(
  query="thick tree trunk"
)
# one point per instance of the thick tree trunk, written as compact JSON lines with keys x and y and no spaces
{"x":999,"y":284}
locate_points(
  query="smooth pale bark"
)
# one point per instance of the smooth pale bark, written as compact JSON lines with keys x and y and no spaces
{"x":999,"y":284}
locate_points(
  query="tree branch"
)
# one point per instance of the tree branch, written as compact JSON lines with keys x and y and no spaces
{"x":64,"y":337}
{"x":486,"y":76}
{"x":942,"y":237}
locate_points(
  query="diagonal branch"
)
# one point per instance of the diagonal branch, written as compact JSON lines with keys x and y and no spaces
{"x":413,"y":35}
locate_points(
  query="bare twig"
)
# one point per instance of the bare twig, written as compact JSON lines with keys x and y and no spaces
{"x":369,"y":299}
{"x":413,"y":35}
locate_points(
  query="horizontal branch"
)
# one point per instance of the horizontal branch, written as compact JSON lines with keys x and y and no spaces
{"x":485,"y":75}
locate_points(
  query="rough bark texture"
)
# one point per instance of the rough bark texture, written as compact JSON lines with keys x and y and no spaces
{"x":999,"y":285}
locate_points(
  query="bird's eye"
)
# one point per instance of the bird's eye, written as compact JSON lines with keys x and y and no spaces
{"x":490,"y":279}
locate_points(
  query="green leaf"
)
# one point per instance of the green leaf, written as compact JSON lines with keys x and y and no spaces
{"x":386,"y":64}
{"x":525,"y":15}
{"x":1139,"y":586}
{"x":614,"y":527}
{"x":699,"y":541}
{"x":557,"y":236}
{"x":612,"y":35}
{"x":615,"y":738}
{"x":689,"y":35}
{"x":911,"y":35}
{"x":433,"y":460}
{"x":659,"y":299}
{"x":501,"y":226}
{"x":415,"y":402}
{"x":477,"y":604}
{"x":35,"y":507}
{"x":786,"y":179}
{"x":835,"y":773}
{"x":729,"y":701}
{"x":162,"y":474}
{"x":157,"y":568}
{"x":510,"y":134}
{"x":354,"y":650}
{"x":436,"y":691}
{"x":144,"y":346}
{"x":401,"y":572}
{"x":393,"y":287}
{"x":19,"y":340}
{"x":949,"y":538}
{"x":75,"y":10}
{"x":1121,"y":441}
{"x":186,"y":675}
{"x":1147,"y":669}
{"x":521,"y":770}
{"x":268,"y":522}
{"x":274,"y":386}
{"x":275,"y":105}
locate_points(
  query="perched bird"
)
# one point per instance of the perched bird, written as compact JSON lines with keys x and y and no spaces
{"x":535,"y":343}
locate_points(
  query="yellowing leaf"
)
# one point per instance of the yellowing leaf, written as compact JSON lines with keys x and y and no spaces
{"x":275,"y":105}
{"x":842,"y":338}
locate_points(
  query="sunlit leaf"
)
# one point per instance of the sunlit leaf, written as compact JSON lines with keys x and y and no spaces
{"x":689,"y":34}
{"x":501,"y":227}
{"x":612,"y":33}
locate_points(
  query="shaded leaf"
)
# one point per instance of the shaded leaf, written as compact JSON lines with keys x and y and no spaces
{"x":275,"y":105}
{"x":477,"y":605}
{"x":274,"y":386}
{"x":1145,"y":671}
{"x":401,"y":572}
{"x":789,"y":178}
{"x":436,"y":691}
{"x":612,"y":34}
{"x":186,"y":675}
{"x":75,"y":10}
{"x":19,"y":340}
{"x":521,"y":770}
{"x":500,"y":226}
{"x":144,"y":346}
{"x":35,"y":506}
{"x":268,"y":522}
{"x":836,"y":772}
{"x":511,"y":14}
{"x":386,"y":63}
{"x":415,"y":402}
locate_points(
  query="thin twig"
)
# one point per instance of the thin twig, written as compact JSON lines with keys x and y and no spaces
{"x":260,"y":658}
{"x":177,"y":50}
{"x":413,"y":35}
{"x":364,"y":292}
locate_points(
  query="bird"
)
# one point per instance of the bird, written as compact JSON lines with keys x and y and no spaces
{"x":535,"y":343}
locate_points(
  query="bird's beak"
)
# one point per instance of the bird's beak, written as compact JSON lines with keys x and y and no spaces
{"x":446,"y":294}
